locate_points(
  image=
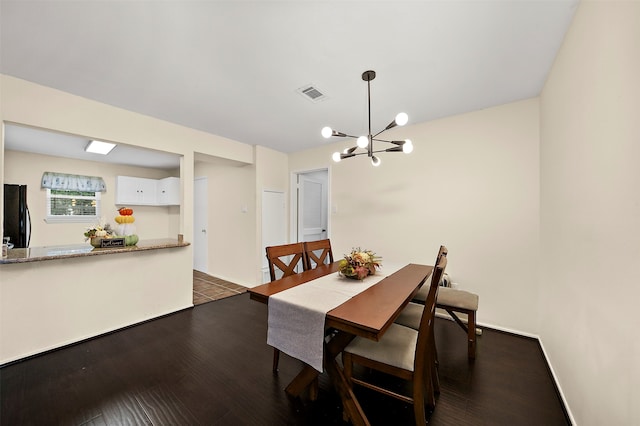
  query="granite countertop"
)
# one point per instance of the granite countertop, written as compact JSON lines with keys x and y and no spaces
{"x":37,"y":254}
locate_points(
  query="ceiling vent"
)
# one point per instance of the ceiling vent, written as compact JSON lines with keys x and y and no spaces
{"x":311,"y":93}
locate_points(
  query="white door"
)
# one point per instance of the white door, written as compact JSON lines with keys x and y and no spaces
{"x":200,"y":216}
{"x":274,"y":225}
{"x":312,"y":207}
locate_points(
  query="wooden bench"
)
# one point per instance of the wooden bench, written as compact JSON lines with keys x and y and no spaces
{"x":460,"y":301}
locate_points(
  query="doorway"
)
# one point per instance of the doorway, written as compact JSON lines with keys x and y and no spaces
{"x":311,"y":212}
{"x":200,"y":224}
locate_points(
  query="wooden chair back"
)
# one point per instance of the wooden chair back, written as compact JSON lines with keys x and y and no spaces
{"x":318,"y":252}
{"x":424,"y":376}
{"x":442,"y":252}
{"x":425,"y":347}
{"x":286,"y":258}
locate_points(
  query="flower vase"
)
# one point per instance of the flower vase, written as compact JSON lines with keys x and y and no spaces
{"x":352,"y":276}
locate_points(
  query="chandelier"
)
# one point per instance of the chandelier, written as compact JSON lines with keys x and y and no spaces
{"x":366,"y":142}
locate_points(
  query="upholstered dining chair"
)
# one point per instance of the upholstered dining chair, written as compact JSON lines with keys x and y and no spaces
{"x":402,"y":352}
{"x":411,"y":314}
{"x":452,"y":301}
{"x":289,"y":259}
{"x":424,"y":291}
{"x":318,"y":252}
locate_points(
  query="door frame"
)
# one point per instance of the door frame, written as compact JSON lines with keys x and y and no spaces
{"x":293,"y":212}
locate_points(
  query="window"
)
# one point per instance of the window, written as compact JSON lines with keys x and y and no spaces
{"x":72,"y":206}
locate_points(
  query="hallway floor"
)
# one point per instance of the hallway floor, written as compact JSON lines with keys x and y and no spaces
{"x":207,"y":288}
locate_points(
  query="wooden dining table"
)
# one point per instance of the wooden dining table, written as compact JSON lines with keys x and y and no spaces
{"x":368,"y":314}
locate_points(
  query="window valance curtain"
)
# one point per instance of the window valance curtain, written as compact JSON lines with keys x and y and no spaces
{"x":67,"y":182}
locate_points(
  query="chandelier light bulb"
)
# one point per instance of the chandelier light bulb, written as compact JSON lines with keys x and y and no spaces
{"x":362,"y":142}
{"x":375,"y":161}
{"x":327,"y":132}
{"x":336,"y":157}
{"x":407,"y":148}
{"x":402,"y":119}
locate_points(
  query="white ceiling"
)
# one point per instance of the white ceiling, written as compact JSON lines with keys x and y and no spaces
{"x":232,"y":68}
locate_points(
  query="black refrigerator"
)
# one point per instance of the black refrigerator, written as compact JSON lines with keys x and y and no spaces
{"x":17,"y":223}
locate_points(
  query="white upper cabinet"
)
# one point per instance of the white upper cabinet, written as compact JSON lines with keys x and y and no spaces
{"x":137,"y":191}
{"x":169,"y":191}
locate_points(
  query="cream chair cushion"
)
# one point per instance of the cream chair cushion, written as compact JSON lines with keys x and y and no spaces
{"x":410,"y":316}
{"x":457,"y":298}
{"x":397,"y":347}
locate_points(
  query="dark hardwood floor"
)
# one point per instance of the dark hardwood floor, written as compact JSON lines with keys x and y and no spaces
{"x":210,"y":365}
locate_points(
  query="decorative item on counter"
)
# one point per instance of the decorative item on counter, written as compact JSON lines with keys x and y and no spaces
{"x":359,"y":264}
{"x":96,"y":233}
{"x":123,"y":234}
{"x":125,"y":216}
{"x":125,"y":226}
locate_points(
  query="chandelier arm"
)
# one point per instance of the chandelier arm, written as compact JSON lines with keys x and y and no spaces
{"x":353,"y":154}
{"x":383,"y":140}
{"x":380,"y":132}
{"x":344,"y":135}
{"x":386,"y":150}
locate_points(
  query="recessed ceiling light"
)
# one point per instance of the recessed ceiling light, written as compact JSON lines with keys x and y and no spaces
{"x":98,"y":147}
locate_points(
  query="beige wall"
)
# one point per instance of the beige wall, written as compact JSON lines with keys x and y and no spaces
{"x":149,"y":284}
{"x":272,"y":173}
{"x":27,"y":168}
{"x":472,"y":183}
{"x":27,"y":103}
{"x":590,"y":214}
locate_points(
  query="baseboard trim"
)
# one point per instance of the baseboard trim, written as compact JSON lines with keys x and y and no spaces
{"x":565,"y":404}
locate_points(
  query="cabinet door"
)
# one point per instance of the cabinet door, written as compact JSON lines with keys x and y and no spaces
{"x":148,"y":191}
{"x":169,"y":191}
{"x":135,"y":191}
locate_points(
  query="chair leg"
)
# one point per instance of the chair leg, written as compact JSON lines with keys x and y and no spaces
{"x":347,"y":369}
{"x":471,"y":332}
{"x":276,"y":360}
{"x":314,"y":389}
{"x":434,"y":378}
{"x":433,"y":364}
{"x":347,"y":366}
{"x":419,"y":401}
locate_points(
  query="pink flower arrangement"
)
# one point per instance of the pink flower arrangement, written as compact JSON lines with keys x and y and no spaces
{"x":359,"y":264}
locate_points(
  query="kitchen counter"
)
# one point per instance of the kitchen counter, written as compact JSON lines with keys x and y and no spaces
{"x":37,"y":254}
{"x":81,"y":292}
